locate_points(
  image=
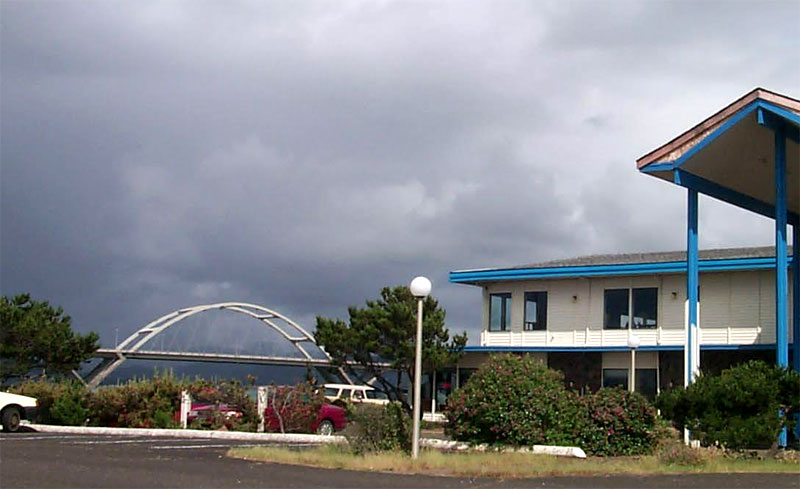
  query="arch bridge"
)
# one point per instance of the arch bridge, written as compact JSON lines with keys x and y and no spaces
{"x":133,"y":346}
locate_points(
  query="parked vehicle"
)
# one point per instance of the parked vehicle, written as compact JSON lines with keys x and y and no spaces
{"x":205,"y":412}
{"x":329,"y":420}
{"x":14,"y":408}
{"x":354,"y":393}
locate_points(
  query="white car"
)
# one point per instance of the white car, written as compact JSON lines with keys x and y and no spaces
{"x":14,"y":408}
{"x":354,"y":393}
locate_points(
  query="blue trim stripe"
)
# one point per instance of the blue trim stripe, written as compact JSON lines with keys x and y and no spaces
{"x":600,"y":349}
{"x":733,"y":264}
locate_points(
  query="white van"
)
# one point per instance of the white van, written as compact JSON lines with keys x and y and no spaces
{"x":354,"y":393}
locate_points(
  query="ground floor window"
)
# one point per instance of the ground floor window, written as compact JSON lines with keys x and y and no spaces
{"x":646,"y":380}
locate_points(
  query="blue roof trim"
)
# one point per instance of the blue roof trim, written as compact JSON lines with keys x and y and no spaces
{"x":600,"y":349}
{"x":788,"y":115}
{"x":771,"y":120}
{"x":744,"y":112}
{"x":733,"y":264}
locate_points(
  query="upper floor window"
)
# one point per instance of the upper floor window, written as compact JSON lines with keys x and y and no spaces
{"x":535,"y":311}
{"x":622,"y":304}
{"x":500,"y":312}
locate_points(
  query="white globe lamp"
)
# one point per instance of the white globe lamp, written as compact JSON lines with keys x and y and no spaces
{"x":420,"y":287}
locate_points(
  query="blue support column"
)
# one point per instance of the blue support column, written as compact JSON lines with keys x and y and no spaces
{"x":692,"y":284}
{"x":781,"y":261}
{"x":796,"y":296}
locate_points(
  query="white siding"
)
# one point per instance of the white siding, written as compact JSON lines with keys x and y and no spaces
{"x":673,"y":296}
{"x":745,"y":300}
{"x":715,"y":300}
{"x":735,"y":308}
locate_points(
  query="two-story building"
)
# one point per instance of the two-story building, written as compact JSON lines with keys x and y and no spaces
{"x":578,"y":314}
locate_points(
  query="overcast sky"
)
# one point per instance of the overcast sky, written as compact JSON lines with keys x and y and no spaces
{"x":301,"y":155}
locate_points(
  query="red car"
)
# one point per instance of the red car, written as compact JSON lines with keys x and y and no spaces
{"x":329,"y":419}
{"x":205,"y":411}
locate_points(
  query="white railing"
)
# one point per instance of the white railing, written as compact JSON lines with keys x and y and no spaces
{"x":604,"y":338}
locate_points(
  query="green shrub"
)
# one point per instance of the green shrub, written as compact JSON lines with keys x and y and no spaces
{"x":737,"y":409}
{"x":375,"y":428}
{"x":620,"y":423}
{"x":69,"y":408}
{"x":49,"y":395}
{"x":677,"y":453}
{"x":515,"y":400}
{"x":135,"y":403}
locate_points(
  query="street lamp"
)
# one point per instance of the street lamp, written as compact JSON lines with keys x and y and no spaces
{"x":633,"y":342}
{"x":420,"y":288}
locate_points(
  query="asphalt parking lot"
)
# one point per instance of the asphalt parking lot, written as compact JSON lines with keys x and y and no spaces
{"x":45,"y":460}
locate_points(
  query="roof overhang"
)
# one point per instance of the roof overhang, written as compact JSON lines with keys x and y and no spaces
{"x":731,"y":155}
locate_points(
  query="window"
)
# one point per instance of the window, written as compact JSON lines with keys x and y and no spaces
{"x":535,"y":311}
{"x":645,"y":305}
{"x":646,"y":380}
{"x":618,"y":308}
{"x":615,"y":377}
{"x":499,"y":312}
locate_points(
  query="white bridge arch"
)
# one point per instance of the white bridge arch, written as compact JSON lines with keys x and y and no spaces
{"x":292,"y":332}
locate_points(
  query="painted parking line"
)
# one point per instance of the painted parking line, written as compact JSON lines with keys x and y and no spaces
{"x":28,"y":438}
{"x":184,"y":447}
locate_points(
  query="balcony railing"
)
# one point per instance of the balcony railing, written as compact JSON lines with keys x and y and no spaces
{"x":616,"y":337}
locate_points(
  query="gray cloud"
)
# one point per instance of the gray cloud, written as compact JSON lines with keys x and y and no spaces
{"x":303,"y":155}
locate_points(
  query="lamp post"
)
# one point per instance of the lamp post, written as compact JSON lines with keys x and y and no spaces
{"x":420,"y":288}
{"x":633,"y":342}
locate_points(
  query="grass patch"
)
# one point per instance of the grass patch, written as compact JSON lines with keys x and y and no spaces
{"x":493,"y":464}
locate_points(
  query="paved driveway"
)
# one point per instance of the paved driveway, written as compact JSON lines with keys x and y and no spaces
{"x":62,"y":461}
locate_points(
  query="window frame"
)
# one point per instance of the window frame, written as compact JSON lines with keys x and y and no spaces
{"x":541,"y":311}
{"x":632,"y":308}
{"x":505,"y":311}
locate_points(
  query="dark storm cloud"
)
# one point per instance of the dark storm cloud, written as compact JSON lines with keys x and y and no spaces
{"x":303,"y":155}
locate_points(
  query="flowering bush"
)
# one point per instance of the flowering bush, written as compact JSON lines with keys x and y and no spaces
{"x":620,"y":423}
{"x":516,"y":400}
{"x":292,"y":408}
{"x":139,"y":403}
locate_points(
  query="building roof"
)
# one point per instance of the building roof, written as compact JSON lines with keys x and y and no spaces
{"x":657,"y":257}
{"x":728,"y":259}
{"x":731,"y":155}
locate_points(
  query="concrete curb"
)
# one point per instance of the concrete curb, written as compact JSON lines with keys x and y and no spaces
{"x":202,"y":434}
{"x":536,"y":449}
{"x":294,"y":438}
